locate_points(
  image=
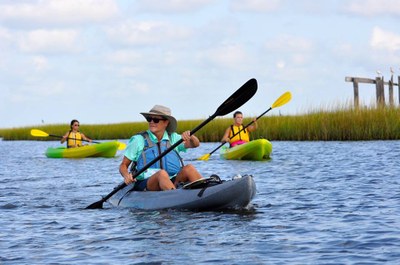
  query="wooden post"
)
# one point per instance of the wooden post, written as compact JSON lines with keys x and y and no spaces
{"x":380,"y":93}
{"x":380,"y":88}
{"x":356,"y":99}
{"x":391,"y":99}
{"x":377,"y":79}
{"x":398,"y":86}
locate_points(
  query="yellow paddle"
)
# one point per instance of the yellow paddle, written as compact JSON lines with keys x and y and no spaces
{"x":39,"y":133}
{"x":282,"y":100}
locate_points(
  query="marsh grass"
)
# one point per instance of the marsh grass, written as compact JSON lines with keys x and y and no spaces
{"x":338,"y":124}
{"x":348,"y":124}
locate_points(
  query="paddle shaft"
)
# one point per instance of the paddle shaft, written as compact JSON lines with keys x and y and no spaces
{"x":240,"y":130}
{"x":40,"y":133}
{"x":69,"y":138}
{"x":283,"y":99}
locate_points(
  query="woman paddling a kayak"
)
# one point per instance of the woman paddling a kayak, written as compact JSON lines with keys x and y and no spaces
{"x":235,"y":134}
{"x":143,"y":147}
{"x":74,"y":137}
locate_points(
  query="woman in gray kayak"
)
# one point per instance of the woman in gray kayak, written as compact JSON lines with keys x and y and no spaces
{"x":144,"y":147}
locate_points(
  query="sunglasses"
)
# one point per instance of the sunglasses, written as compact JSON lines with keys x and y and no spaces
{"x":76,"y":125}
{"x":155,"y":120}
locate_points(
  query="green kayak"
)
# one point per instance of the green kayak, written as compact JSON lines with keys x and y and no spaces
{"x":105,"y":149}
{"x":257,"y":150}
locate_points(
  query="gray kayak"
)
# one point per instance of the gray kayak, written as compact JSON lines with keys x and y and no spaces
{"x":208,"y":195}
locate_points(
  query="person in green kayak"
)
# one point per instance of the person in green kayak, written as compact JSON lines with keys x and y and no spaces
{"x":234,"y":134}
{"x":74,"y":137}
{"x":144,"y":147}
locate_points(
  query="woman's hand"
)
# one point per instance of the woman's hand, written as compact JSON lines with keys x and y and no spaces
{"x":190,"y":140}
{"x":128,"y":179}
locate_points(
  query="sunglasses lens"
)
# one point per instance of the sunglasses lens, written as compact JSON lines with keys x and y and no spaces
{"x":155,"y":120}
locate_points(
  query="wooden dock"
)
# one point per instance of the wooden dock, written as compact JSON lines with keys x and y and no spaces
{"x":380,"y":89}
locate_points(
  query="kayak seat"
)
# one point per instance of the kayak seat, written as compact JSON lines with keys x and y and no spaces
{"x":203,"y":183}
{"x":215,"y":178}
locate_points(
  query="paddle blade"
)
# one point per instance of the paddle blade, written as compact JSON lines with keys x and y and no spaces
{"x":241,"y":96}
{"x":99,"y":204}
{"x":121,"y":146}
{"x":96,"y":205}
{"x":204,"y":157}
{"x":282,"y":100}
{"x":39,"y":133}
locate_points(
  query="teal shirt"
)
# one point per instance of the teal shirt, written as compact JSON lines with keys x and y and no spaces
{"x":135,"y":148}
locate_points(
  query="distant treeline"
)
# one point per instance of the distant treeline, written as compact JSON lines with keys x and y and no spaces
{"x":343,"y":124}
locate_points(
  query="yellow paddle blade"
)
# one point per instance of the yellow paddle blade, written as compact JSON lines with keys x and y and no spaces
{"x":204,"y":157}
{"x":121,"y":146}
{"x":39,"y":133}
{"x":282,"y":100}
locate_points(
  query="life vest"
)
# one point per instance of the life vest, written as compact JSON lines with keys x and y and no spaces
{"x":74,"y":139}
{"x":171,"y":162}
{"x":239,"y":138}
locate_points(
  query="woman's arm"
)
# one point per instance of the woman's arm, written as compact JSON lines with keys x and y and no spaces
{"x":84,"y":137}
{"x":190,"y":141}
{"x":225,"y":138}
{"x":124,"y":171}
{"x":64,"y":138}
{"x":253,"y":127}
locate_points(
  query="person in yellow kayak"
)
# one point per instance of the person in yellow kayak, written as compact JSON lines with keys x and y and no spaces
{"x":243,"y":136}
{"x":74,"y":137}
{"x":144,"y":147}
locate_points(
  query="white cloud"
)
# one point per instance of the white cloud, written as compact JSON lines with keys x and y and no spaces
{"x":57,"y":88}
{"x":385,"y":40}
{"x":280,"y":64}
{"x":374,"y":7}
{"x":49,"y":41}
{"x":286,"y":43}
{"x":171,"y":6}
{"x":124,"y":57}
{"x":60,"y":11}
{"x":255,"y":5}
{"x":5,"y":36}
{"x":299,"y":58}
{"x":130,"y":71}
{"x":230,"y":56}
{"x":344,"y":49}
{"x":289,"y":50}
{"x":40,"y":63}
{"x":147,"y":33}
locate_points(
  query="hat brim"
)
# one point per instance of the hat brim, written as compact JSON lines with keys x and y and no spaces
{"x":172,"y":125}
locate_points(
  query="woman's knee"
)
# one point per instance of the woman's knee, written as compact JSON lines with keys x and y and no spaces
{"x":188,"y":168}
{"x":162,"y":174}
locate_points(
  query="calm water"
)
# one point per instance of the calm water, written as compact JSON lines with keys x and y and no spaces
{"x":317,"y":203}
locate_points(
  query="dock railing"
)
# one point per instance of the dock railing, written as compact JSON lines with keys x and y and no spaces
{"x":380,"y":88}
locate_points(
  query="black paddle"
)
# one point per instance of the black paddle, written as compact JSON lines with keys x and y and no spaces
{"x":237,"y":99}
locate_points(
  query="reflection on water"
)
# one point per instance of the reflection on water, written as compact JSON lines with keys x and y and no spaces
{"x":316,"y":202}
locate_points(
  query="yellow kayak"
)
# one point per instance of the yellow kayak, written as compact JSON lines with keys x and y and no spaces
{"x":257,"y":150}
{"x":106,"y":149}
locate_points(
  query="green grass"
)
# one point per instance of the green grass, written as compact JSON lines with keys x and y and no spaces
{"x":339,"y":124}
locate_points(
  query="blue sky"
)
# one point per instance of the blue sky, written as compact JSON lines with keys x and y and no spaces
{"x":105,"y":61}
